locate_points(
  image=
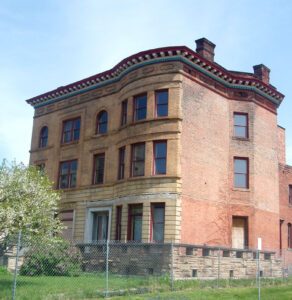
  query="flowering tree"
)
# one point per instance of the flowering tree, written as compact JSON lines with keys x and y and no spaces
{"x":27,"y":202}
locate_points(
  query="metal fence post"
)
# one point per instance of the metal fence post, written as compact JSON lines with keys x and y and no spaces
{"x":16,"y":266}
{"x":259,"y":276}
{"x":171,"y":266}
{"x":106,"y":268}
{"x":219,"y":265}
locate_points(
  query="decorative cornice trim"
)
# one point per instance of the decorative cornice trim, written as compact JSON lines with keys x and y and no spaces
{"x":179,"y":53}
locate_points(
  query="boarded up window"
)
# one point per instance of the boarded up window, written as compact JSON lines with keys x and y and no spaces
{"x":66,"y":218}
{"x":239,"y":233}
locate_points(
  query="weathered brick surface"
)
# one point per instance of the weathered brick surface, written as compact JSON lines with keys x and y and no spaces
{"x":209,"y":199}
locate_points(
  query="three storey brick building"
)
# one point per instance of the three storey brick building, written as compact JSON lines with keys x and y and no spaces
{"x":167,"y":146}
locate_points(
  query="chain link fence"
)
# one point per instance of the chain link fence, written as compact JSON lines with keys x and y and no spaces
{"x":65,"y":270}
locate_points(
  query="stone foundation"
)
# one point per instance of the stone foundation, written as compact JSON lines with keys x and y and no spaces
{"x":179,"y":260}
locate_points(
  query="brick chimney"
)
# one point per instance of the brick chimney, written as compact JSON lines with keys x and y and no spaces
{"x":205,"y":48}
{"x":262,"y":72}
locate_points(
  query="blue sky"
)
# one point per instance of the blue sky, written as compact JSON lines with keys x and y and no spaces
{"x":46,"y":44}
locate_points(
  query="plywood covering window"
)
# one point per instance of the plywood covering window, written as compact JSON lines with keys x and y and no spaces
{"x":239,"y":232}
{"x":71,"y":130}
{"x":68,"y":174}
{"x":241,"y":170}
{"x":67,"y":218}
{"x":240,"y":125}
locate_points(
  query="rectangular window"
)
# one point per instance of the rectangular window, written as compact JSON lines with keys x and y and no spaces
{"x":240,"y":125}
{"x":239,"y":232}
{"x":289,"y":236}
{"x":140,"y":107}
{"x":66,"y":217}
{"x":100,"y":225}
{"x":290,"y":194}
{"x":160,"y":151}
{"x":135,"y":222}
{"x":119,"y":223}
{"x":157,"y":218}
{"x":241,"y":172}
{"x":161,"y":99}
{"x":71,"y":130}
{"x":68,"y":174}
{"x":98,"y":173}
{"x":124,"y":112}
{"x":121,"y":168}
{"x":41,"y":168}
{"x":138,"y":159}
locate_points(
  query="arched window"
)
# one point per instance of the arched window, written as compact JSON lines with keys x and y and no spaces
{"x":43,"y":142}
{"x":101,"y":122}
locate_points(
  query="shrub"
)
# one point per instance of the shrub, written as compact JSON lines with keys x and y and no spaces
{"x":3,"y":271}
{"x":54,"y":259}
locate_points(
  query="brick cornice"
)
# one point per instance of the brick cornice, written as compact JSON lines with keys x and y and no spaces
{"x":231,"y":79}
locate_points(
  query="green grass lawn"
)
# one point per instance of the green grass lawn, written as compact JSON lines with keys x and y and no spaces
{"x":92,"y":286}
{"x":271,"y":293}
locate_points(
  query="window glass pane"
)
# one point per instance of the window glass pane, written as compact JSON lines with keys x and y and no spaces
{"x":240,"y":181}
{"x":63,"y":181}
{"x":240,"y":166}
{"x":158,"y":233}
{"x":162,"y":97}
{"x":240,"y":120}
{"x":73,"y":165}
{"x":136,"y":209}
{"x":162,"y":103}
{"x":160,"y":149}
{"x":137,"y":228}
{"x":138,"y":168}
{"x":99,"y":169}
{"x":77,"y":123}
{"x":64,"y":168}
{"x":73,"y":180}
{"x":158,"y":214}
{"x":102,"y":128}
{"x":140,"y":107}
{"x":162,"y":110}
{"x":67,"y":136}
{"x":141,"y":102}
{"x":141,"y":114}
{"x":240,"y":131}
{"x":68,"y":125}
{"x":76,"y":134}
{"x":160,"y":166}
{"x":139,"y":152}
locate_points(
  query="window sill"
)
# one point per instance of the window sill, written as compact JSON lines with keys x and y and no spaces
{"x":40,"y":149}
{"x":68,"y":189}
{"x":241,"y":139}
{"x":69,"y":143}
{"x":98,"y":135}
{"x":241,"y":189}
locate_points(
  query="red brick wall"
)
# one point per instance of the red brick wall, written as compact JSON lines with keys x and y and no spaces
{"x":209,"y":199}
{"x":285,"y":208}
